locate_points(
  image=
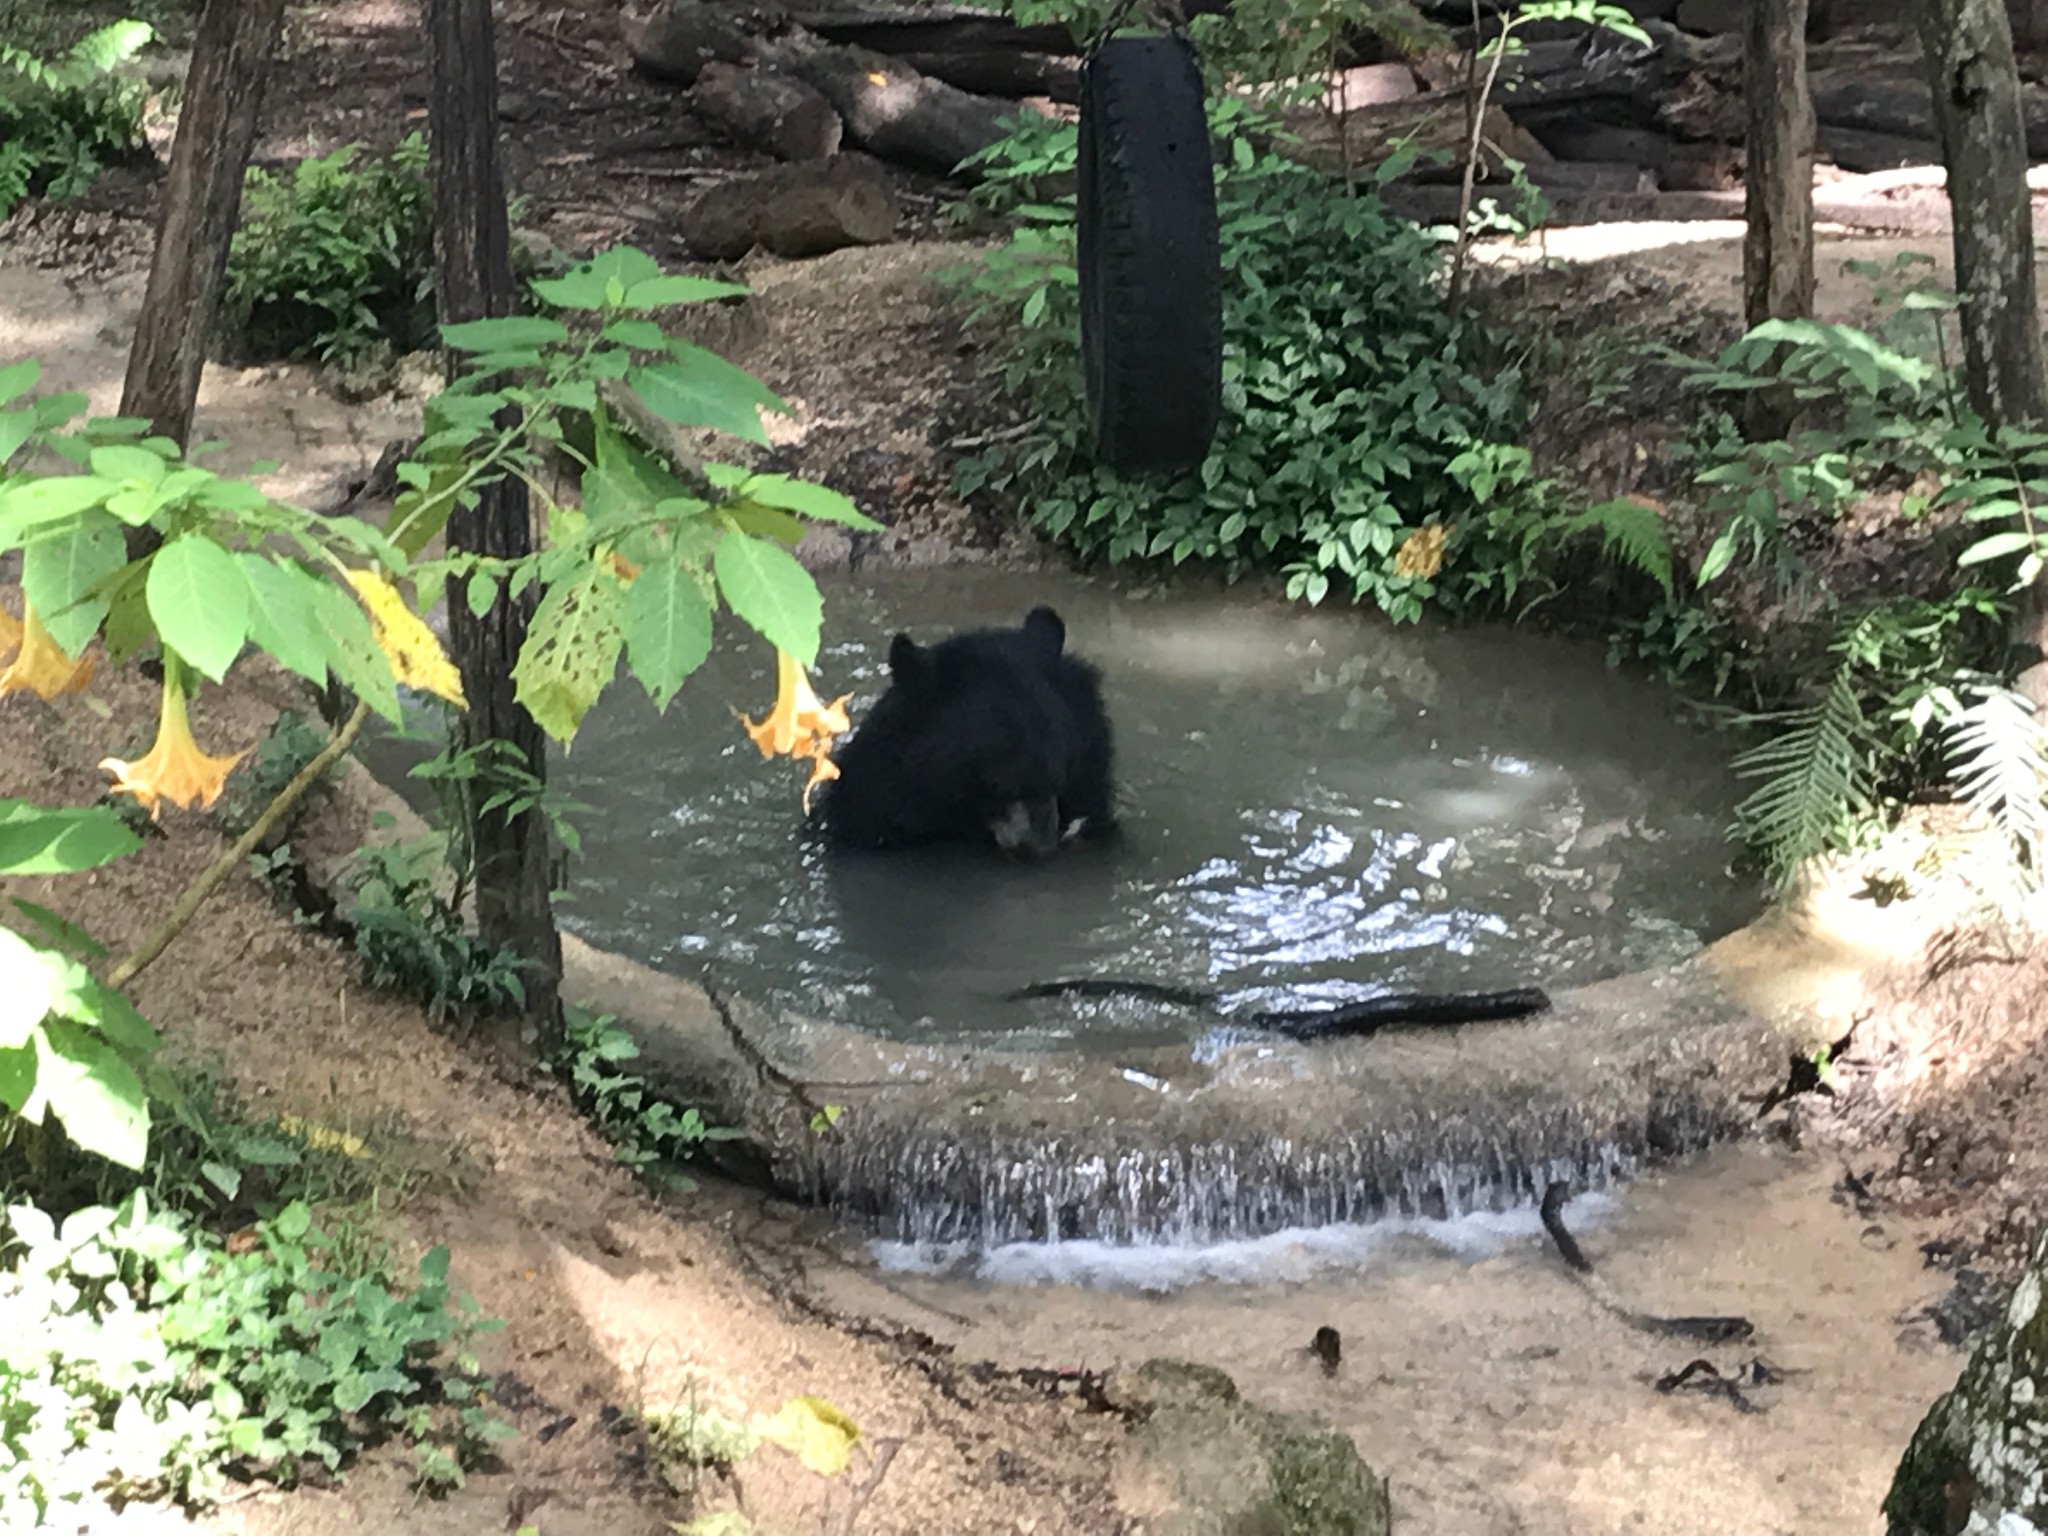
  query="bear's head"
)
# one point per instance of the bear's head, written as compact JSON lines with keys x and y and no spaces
{"x":981,"y":733}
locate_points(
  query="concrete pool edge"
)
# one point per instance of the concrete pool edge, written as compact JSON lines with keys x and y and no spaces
{"x":941,"y":1142}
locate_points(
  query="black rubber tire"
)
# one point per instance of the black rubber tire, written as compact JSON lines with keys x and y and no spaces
{"x":1149,"y":261}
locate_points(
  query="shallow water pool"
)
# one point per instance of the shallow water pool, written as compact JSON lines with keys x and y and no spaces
{"x":1316,"y":807}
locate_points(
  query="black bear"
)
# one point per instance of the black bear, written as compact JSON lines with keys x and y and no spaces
{"x":995,"y":734}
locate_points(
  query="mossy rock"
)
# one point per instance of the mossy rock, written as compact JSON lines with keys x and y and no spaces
{"x":1979,"y":1461}
{"x":1204,"y":1462}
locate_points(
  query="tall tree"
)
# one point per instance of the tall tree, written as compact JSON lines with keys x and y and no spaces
{"x":473,"y":281}
{"x":1777,"y":246}
{"x":1976,"y":84}
{"x":1984,"y":143}
{"x":202,"y":200}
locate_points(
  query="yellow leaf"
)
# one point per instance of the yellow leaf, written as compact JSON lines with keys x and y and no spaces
{"x":416,"y":657}
{"x":1422,"y":554}
{"x":812,"y":1430}
{"x":322,"y":1138}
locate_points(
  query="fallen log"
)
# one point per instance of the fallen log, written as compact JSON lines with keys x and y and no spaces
{"x":764,"y":109}
{"x":890,"y":109}
{"x":678,"y":40}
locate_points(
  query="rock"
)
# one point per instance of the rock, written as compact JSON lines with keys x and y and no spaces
{"x":764,"y":109}
{"x":677,"y":41}
{"x":1204,"y":1462}
{"x":798,"y":210}
{"x":1979,"y":1460}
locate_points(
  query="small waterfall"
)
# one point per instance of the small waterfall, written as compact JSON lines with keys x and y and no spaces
{"x":991,"y":1189}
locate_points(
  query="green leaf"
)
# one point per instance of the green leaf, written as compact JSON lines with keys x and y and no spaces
{"x":126,"y":462}
{"x":28,"y":985}
{"x":667,"y":625}
{"x":661,"y":292}
{"x":590,"y":285}
{"x":94,"y":1092}
{"x":82,"y":999}
{"x":819,"y":502}
{"x":17,"y":1077}
{"x":505,"y":333}
{"x":16,"y":428}
{"x":59,"y":932}
{"x":701,"y":389}
{"x":642,"y":335}
{"x":281,"y":614}
{"x":200,"y":602}
{"x":571,"y":653}
{"x":768,"y":588}
{"x":766,"y":522}
{"x":36,"y":840}
{"x":352,"y":651}
{"x":35,"y":502}
{"x":1995,"y":547}
{"x":17,"y":379}
{"x":59,"y":569}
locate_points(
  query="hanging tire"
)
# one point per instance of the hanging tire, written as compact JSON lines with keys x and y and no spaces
{"x":1147,"y":253}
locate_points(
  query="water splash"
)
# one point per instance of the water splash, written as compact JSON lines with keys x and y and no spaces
{"x":1293,"y":1255}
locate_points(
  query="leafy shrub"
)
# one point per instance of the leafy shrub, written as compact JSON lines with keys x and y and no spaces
{"x":412,"y":938}
{"x":1911,"y":700}
{"x":646,"y":1131}
{"x":1349,"y":391}
{"x":63,"y":119}
{"x":336,"y":258}
{"x":140,"y":1357}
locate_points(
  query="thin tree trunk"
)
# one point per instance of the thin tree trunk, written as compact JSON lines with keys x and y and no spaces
{"x":202,"y":199}
{"x":1777,"y":247}
{"x":1984,"y":142}
{"x":473,"y":278}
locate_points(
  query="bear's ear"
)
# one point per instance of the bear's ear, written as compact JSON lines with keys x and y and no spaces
{"x":1046,"y":627}
{"x":908,"y":663}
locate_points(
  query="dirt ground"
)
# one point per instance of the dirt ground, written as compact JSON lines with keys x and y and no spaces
{"x":1940,"y":1127}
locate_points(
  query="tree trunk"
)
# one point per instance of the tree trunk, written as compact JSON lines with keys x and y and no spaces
{"x":1977,"y":108}
{"x":202,"y":198}
{"x":473,"y":280}
{"x":1984,"y":142}
{"x":1777,"y":245}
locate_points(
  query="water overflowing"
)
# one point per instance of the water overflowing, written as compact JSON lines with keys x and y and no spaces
{"x":1317,"y":807}
{"x":1291,"y":1256}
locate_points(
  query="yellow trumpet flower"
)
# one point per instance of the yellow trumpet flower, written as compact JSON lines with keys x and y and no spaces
{"x":10,"y":634}
{"x":40,"y":667}
{"x":800,"y":724}
{"x":174,"y":769}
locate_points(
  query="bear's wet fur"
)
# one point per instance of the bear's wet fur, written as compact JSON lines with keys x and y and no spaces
{"x":993,"y":735}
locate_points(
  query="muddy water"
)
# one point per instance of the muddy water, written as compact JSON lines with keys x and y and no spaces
{"x":1478,"y":1375}
{"x":1316,"y":808}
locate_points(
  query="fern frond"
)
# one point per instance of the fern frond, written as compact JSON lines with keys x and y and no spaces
{"x":101,"y":52}
{"x":1631,"y":534}
{"x":1816,"y":780}
{"x":1998,"y":757}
